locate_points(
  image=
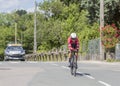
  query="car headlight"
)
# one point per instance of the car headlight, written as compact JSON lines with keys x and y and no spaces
{"x":23,"y":52}
{"x":7,"y":52}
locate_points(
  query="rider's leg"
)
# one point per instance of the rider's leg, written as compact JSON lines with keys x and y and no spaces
{"x":69,"y":57}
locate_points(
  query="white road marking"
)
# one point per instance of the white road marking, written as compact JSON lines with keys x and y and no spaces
{"x":65,"y":67}
{"x":14,"y":62}
{"x":79,"y":72}
{"x":31,"y":62}
{"x":55,"y":64}
{"x":90,"y":77}
{"x":106,"y":84}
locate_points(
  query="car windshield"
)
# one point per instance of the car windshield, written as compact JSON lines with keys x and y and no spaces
{"x":14,"y":48}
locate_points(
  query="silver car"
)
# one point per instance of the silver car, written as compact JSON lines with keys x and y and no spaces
{"x":14,"y":52}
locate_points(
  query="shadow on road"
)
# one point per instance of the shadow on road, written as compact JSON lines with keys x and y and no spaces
{"x":5,"y":69}
{"x":82,"y":74}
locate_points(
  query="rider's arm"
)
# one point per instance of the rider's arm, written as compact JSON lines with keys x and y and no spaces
{"x":69,"y":44}
{"x":77,"y":44}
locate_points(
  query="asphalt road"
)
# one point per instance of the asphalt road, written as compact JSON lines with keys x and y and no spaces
{"x":89,"y":73}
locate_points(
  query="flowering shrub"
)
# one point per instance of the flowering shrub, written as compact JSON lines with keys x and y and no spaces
{"x":110,"y":36}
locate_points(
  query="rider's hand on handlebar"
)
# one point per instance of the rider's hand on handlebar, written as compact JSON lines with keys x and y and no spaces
{"x":74,"y":49}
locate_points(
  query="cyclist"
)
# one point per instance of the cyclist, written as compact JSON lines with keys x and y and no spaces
{"x":73,"y":45}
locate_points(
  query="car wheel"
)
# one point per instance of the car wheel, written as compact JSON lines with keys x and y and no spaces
{"x":22,"y":59}
{"x":6,"y":60}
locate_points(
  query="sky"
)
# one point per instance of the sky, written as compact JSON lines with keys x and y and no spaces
{"x":11,"y":5}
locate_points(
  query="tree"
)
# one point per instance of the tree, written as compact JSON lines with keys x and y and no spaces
{"x":21,"y":12}
{"x":112,"y":12}
{"x":111,"y":8}
{"x":55,"y":30}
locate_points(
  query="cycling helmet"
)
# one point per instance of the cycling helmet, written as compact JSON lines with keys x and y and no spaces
{"x":73,"y":35}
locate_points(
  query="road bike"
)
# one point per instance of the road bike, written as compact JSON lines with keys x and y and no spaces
{"x":73,"y":63}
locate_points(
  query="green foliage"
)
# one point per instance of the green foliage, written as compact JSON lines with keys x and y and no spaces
{"x":6,"y":36}
{"x":21,"y":12}
{"x":54,"y":25}
{"x":111,"y":10}
{"x":6,"y":20}
{"x":89,"y":33}
{"x":1,"y":54}
{"x":70,"y":19}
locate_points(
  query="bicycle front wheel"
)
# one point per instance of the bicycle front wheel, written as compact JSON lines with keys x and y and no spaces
{"x":73,"y":66}
{"x":74,"y":69}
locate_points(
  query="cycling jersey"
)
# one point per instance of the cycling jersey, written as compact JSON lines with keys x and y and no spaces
{"x":73,"y":44}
